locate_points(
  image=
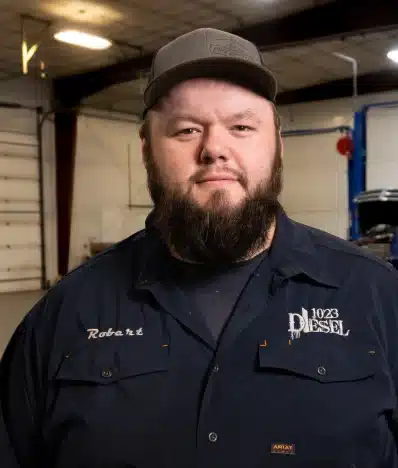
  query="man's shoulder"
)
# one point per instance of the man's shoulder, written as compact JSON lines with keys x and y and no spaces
{"x":341,"y":253}
{"x":113,"y":266}
{"x":90,"y":284}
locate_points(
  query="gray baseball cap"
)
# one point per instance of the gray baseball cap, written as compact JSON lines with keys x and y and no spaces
{"x":208,"y":53}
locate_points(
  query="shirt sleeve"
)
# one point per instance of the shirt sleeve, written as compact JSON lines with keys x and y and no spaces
{"x":7,"y":455}
{"x":388,"y":316}
{"x":20,"y":396}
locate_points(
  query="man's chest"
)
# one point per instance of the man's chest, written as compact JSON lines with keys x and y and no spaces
{"x":302,"y":366}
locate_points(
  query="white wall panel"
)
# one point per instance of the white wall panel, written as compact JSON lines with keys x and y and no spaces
{"x":315,"y":182}
{"x":382,"y":148}
{"x":382,"y":168}
{"x":106,"y":149}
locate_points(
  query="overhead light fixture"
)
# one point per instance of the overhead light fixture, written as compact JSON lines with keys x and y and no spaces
{"x":82,"y":39}
{"x":393,"y":55}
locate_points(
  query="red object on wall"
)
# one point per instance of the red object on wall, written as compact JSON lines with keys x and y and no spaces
{"x":345,"y":145}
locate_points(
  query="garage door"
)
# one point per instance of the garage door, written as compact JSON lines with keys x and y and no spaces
{"x":20,"y":207}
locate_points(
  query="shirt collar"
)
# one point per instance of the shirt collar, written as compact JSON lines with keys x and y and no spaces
{"x":293,"y":252}
{"x":154,"y":259}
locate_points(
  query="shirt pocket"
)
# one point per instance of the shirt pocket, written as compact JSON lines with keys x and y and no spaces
{"x":103,"y":384}
{"x":339,"y":363}
{"x":106,"y":363}
{"x":108,"y":394}
{"x":327,"y":399}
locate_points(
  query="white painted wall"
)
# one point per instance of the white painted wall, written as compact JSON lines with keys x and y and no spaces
{"x":20,"y":125}
{"x":101,"y":187}
{"x":316,"y":184}
{"x":382,"y":148}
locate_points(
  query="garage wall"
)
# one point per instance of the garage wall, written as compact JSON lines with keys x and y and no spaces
{"x":382,"y":148}
{"x":316,"y":186}
{"x":315,"y":180}
{"x":19,"y":138}
{"x":20,"y":126}
{"x":315,"y":174}
{"x":109,"y":175}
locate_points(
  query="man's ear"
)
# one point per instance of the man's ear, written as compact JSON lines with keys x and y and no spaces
{"x":143,"y":132}
{"x":281,"y":145}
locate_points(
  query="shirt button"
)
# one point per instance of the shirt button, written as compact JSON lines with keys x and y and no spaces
{"x":321,"y":370}
{"x":216,"y":368}
{"x":213,"y":437}
{"x":107,"y":373}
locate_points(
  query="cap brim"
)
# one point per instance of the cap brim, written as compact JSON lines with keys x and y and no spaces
{"x":249,"y":75}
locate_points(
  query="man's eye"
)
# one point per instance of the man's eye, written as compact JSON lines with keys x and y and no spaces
{"x":187,"y":131}
{"x":242,"y":128}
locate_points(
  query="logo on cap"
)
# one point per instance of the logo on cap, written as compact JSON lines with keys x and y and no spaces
{"x":229,"y":48}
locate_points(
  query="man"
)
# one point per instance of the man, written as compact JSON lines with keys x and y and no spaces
{"x":224,"y":334}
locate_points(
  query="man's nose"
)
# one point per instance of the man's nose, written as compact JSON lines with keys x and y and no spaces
{"x":214,"y":148}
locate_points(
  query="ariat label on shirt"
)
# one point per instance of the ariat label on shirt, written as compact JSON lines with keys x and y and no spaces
{"x":316,"y":321}
{"x":283,"y":449}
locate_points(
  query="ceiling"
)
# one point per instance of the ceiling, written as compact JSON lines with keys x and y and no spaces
{"x":300,"y":61}
{"x":295,"y":68}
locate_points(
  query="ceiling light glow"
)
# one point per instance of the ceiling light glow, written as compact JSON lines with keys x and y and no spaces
{"x":82,"y":39}
{"x":393,"y":55}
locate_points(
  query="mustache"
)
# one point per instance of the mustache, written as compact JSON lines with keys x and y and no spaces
{"x":205,"y":172}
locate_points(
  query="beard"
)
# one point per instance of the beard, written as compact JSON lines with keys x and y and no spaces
{"x":215,"y":233}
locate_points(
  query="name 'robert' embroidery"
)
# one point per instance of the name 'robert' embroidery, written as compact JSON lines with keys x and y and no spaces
{"x":95,"y":333}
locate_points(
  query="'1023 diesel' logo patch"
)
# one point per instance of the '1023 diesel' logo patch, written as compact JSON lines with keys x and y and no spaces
{"x":316,"y":321}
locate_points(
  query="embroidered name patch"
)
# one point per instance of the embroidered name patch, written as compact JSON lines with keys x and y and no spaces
{"x":95,"y":333}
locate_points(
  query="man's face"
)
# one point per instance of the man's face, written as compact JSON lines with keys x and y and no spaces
{"x":213,"y":157}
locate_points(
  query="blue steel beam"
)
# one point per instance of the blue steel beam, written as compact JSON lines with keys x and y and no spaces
{"x":357,"y":171}
{"x":357,"y":164}
{"x":316,"y":131}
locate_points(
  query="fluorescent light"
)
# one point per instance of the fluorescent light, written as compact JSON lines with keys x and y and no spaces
{"x":83,"y":39}
{"x":393,"y":55}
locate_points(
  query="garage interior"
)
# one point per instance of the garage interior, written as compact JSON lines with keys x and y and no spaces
{"x":72,"y":179}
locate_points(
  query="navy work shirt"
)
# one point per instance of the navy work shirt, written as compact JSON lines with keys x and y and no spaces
{"x":212,"y":290}
{"x":111,"y":369}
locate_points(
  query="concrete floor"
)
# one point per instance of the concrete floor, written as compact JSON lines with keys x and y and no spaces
{"x":13,"y":307}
